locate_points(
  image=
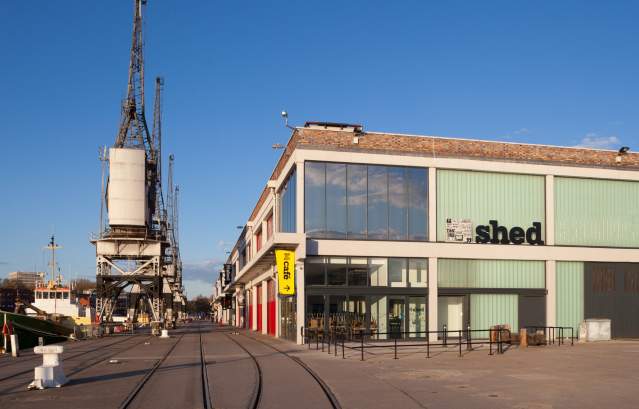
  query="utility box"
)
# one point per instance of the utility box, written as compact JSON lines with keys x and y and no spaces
{"x":595,"y":329}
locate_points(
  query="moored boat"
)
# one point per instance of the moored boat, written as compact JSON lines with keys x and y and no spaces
{"x":30,"y":329}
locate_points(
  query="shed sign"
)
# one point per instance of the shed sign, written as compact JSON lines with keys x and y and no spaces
{"x":285,"y":260}
{"x":461,"y":231}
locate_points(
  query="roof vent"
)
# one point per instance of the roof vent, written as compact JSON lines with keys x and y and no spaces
{"x":334,"y":126}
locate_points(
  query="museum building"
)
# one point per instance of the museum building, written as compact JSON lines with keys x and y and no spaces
{"x":420,"y":232}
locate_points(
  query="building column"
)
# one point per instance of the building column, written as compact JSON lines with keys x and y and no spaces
{"x":299,"y":197}
{"x":551,"y":293}
{"x":432,"y":204}
{"x":432,"y":298}
{"x":264,"y":290}
{"x":300,"y":299}
{"x":254,"y":307}
{"x":550,"y":210}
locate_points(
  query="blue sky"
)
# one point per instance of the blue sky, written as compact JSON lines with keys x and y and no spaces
{"x":542,"y":72}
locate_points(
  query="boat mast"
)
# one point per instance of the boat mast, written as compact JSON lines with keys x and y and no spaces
{"x":53,"y":247}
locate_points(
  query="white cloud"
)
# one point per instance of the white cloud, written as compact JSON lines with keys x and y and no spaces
{"x":522,"y":131}
{"x":206,"y":270}
{"x":593,"y":140}
{"x":518,"y":132}
{"x":197,"y":287}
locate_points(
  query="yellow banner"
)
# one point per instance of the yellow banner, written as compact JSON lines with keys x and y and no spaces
{"x":285,"y":260}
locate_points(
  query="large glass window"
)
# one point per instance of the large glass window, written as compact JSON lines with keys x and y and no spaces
{"x":417,"y":316}
{"x":366,"y":272}
{"x":397,"y":272}
{"x":315,"y":198}
{"x":336,"y":200}
{"x":417,"y":272}
{"x":314,"y":269}
{"x":378,"y":272}
{"x":379,"y":315}
{"x":365,"y":202}
{"x":288,"y":205}
{"x":397,"y":204}
{"x":358,"y":272}
{"x":336,"y":271}
{"x":417,"y":203}
{"x":377,"y":203}
{"x":356,"y":198}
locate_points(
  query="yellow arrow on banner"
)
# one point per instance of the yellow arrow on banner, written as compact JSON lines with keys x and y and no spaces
{"x":285,"y":260}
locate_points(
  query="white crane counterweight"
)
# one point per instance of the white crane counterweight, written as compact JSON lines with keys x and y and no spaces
{"x":127,"y":196}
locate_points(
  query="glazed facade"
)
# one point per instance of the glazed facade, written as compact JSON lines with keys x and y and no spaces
{"x":418,"y":242}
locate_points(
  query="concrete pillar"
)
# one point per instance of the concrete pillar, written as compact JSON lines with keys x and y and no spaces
{"x":550,"y":210}
{"x":432,"y":297}
{"x":265,"y":229}
{"x":551,"y":296}
{"x":254,"y":306}
{"x":432,"y":204}
{"x":264,"y":289}
{"x":301,"y":298}
{"x":299,"y":197}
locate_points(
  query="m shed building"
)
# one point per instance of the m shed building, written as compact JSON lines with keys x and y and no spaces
{"x":414,"y":233}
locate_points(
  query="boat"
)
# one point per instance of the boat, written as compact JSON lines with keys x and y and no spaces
{"x":30,"y":329}
{"x":51,"y":317}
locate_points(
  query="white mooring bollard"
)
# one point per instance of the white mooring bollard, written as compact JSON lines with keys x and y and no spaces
{"x":165,"y":333}
{"x":51,"y":373}
{"x":15,"y":348}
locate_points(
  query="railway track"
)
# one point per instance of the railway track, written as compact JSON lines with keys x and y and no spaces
{"x":255,"y":401}
{"x":206,"y":395}
{"x":134,"y":393}
{"x":206,"y":392}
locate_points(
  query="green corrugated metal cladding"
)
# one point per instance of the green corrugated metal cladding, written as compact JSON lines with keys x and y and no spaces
{"x":592,"y":212}
{"x":570,"y":294}
{"x":487,"y":310}
{"x":491,"y":273}
{"x":512,"y":200}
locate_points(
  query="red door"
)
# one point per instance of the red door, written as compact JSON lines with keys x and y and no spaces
{"x":270,"y":318}
{"x":259,"y":307}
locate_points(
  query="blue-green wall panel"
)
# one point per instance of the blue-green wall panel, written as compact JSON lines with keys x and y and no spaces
{"x":511,"y":199}
{"x":457,"y":273}
{"x":570,"y":294}
{"x":487,"y":310}
{"x":593,"y":212}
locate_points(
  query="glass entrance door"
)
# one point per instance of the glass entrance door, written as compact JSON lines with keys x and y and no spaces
{"x":288,"y":320}
{"x":396,"y":315}
{"x":417,"y":316}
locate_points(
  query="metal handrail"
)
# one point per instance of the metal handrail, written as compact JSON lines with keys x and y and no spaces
{"x":332,"y":337}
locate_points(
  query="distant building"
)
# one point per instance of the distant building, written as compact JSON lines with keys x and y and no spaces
{"x":26,"y":279}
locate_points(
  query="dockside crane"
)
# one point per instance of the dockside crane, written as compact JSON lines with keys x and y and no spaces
{"x":134,"y":252}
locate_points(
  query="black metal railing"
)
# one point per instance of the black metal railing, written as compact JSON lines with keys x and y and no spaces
{"x":498,"y":337}
{"x":551,"y":335}
{"x":334,"y":338}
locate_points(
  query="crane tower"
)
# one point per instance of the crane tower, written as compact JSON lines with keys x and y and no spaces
{"x":136,"y":252}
